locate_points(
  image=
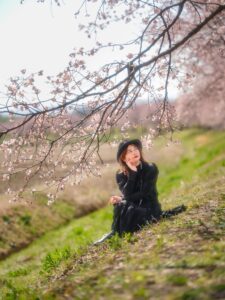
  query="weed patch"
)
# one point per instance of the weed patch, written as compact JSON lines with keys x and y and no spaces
{"x":52,"y":260}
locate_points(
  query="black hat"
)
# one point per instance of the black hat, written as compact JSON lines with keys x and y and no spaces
{"x":124,"y":144}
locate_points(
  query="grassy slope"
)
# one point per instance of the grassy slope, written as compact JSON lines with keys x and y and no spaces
{"x":21,"y":224}
{"x":179,"y":258}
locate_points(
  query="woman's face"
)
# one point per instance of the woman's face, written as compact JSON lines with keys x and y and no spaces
{"x":132,"y":155}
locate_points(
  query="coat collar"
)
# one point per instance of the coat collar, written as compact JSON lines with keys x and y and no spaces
{"x":140,"y":166}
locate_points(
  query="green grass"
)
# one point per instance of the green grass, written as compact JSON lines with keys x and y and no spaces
{"x":178,"y":258}
{"x":53,"y":260}
{"x":52,"y":251}
{"x":196,"y":162}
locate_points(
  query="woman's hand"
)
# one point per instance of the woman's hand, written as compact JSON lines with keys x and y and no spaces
{"x":115,"y":199}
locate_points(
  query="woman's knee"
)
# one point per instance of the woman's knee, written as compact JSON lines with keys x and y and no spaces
{"x":130,"y":208}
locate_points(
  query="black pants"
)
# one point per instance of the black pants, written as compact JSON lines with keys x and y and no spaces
{"x":130,"y":218}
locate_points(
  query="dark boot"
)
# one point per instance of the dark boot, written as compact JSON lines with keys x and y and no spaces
{"x":105,"y":237}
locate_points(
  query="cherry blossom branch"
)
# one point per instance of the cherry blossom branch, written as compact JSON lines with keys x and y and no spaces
{"x":71,"y":123}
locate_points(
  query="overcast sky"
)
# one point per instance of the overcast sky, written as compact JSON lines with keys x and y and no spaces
{"x":39,"y":37}
{"x":34,"y":36}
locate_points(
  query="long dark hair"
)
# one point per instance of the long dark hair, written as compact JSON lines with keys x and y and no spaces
{"x":123,"y":166}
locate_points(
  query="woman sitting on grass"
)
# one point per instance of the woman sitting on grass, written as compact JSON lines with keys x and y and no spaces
{"x":139,"y":203}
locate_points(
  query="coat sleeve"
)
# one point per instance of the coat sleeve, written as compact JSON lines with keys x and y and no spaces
{"x":126,"y":184}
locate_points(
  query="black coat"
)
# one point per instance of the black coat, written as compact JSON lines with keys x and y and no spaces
{"x":139,"y":190}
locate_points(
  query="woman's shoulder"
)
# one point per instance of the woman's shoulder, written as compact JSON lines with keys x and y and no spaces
{"x":120,"y":173}
{"x":120,"y":176}
{"x":150,"y":167}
